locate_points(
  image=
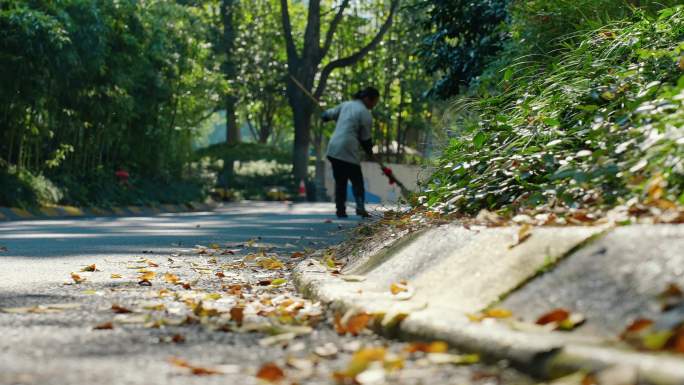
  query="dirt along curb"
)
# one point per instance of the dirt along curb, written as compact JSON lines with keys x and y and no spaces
{"x":54,"y":212}
{"x":612,"y":276}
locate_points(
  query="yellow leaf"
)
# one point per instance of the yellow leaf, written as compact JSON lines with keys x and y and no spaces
{"x":147,"y":276}
{"x":77,"y":278}
{"x":278,"y":282}
{"x":270,"y":264}
{"x":115,"y":276}
{"x":498,"y":313}
{"x":212,"y":296}
{"x":397,"y":288}
{"x":171,"y":278}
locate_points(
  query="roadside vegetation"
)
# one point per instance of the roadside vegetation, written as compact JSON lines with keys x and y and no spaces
{"x":581,"y":106}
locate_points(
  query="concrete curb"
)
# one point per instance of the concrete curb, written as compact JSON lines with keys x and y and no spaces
{"x":547,"y":355}
{"x":57,"y":212}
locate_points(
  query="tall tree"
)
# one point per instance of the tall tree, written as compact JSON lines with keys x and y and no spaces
{"x":229,"y":13}
{"x":304,"y":67}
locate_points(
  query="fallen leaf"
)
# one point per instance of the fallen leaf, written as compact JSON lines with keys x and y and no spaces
{"x":433,"y":347}
{"x":556,"y":315}
{"x":120,"y":309}
{"x":671,"y":297}
{"x":637,"y":326}
{"x":116,"y":276}
{"x":277,"y":339}
{"x":270,"y":264}
{"x":524,"y":233}
{"x":237,"y":314}
{"x":352,"y":324}
{"x":220,"y":275}
{"x":397,"y":288}
{"x":145,"y":282}
{"x":77,"y":278}
{"x":297,"y":254}
{"x":147,"y":276}
{"x":498,"y":313}
{"x":495,"y":313}
{"x":270,"y":372}
{"x":171,"y":278}
{"x":104,"y":326}
{"x":235,"y":289}
{"x":327,"y":350}
{"x":194,"y":370}
{"x":177,"y":339}
{"x":278,"y":282}
{"x":152,"y":263}
{"x":360,"y":361}
{"x":90,"y":268}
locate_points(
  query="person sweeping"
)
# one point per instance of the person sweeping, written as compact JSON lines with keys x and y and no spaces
{"x":352,"y":132}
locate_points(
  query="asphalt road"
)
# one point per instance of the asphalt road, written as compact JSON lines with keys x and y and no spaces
{"x":50,"y":336}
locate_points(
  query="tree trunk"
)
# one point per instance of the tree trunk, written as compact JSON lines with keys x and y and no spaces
{"x":302,"y":121}
{"x":228,"y":13}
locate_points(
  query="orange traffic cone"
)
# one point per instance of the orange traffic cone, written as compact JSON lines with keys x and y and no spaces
{"x":301,"y":194}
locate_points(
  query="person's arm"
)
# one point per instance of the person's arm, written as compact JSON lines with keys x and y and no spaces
{"x":365,"y":136}
{"x":331,"y":114}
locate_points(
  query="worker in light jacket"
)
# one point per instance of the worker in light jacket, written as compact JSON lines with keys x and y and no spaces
{"x":353,"y":131}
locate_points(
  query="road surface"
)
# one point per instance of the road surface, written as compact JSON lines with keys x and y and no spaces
{"x":160,"y":306}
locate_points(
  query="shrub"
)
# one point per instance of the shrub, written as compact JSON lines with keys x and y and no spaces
{"x":601,"y":124}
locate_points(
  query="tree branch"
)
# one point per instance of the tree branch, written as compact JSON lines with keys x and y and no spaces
{"x":287,"y":29}
{"x":333,"y":28}
{"x":352,"y":59}
{"x":312,"y":34}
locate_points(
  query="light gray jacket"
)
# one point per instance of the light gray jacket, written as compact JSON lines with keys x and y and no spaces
{"x":354,"y":123}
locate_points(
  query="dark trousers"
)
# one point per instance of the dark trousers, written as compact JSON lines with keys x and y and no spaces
{"x":343,"y":172}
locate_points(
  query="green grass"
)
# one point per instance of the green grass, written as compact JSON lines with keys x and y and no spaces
{"x":602,"y":123}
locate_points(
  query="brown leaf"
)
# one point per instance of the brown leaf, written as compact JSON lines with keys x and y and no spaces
{"x":194,"y":370}
{"x":676,"y":342}
{"x":152,"y":263}
{"x":187,"y":286}
{"x":636,"y":326}
{"x":556,"y":315}
{"x":220,"y":275}
{"x":561,"y":319}
{"x":297,"y":254}
{"x":353,"y":325}
{"x":144,"y":282}
{"x":235,"y":289}
{"x":671,"y":297}
{"x":270,"y":372}
{"x":90,"y":268}
{"x":237,"y":314}
{"x":104,"y":326}
{"x":120,"y":309}
{"x":177,"y":339}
